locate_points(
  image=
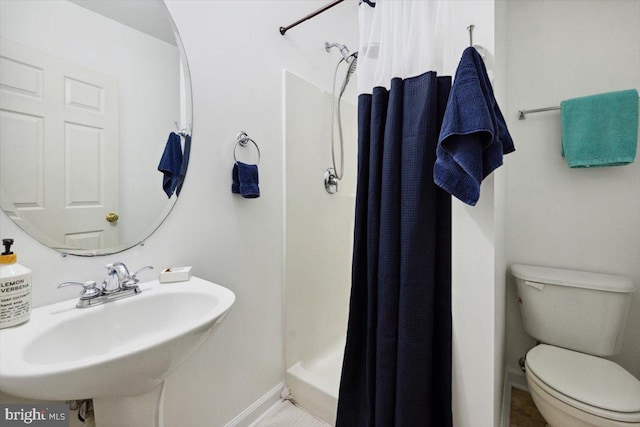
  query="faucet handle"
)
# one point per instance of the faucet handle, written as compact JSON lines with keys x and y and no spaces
{"x":89,"y":288}
{"x":133,"y":281}
{"x":148,"y":267}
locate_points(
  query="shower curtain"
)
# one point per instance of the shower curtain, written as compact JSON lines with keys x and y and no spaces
{"x":397,"y":362}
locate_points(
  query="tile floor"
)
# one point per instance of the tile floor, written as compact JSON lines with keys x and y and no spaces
{"x":284,"y":414}
{"x":523,"y":411}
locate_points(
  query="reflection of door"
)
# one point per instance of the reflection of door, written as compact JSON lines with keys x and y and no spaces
{"x":59,"y":146}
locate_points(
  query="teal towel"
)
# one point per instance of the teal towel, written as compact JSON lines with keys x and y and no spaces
{"x":600,"y":130}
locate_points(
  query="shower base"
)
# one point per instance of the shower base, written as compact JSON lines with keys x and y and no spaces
{"x":314,"y":383}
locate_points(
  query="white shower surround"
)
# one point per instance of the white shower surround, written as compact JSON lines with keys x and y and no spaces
{"x":319,"y":235}
{"x":315,"y":383}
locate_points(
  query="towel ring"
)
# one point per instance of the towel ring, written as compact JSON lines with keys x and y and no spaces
{"x":243,"y":139}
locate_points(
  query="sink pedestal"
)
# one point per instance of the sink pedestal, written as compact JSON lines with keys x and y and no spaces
{"x":142,"y":410}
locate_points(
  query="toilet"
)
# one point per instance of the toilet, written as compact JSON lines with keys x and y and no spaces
{"x":579,"y":318}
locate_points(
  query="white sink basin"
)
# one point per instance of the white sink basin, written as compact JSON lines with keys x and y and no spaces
{"x":122,"y":348}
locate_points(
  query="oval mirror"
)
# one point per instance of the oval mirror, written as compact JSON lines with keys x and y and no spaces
{"x":95,"y":98}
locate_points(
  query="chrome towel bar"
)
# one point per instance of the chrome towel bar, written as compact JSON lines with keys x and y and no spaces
{"x":523,"y":113}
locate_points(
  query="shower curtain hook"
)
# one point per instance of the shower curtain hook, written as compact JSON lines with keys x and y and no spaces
{"x":470,"y":28}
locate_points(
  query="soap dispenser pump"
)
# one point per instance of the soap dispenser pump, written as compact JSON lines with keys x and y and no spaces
{"x":15,"y":288}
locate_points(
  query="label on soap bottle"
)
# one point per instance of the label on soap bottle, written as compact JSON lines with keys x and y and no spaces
{"x":15,"y":300}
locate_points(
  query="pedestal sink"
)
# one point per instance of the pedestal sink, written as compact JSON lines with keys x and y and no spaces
{"x":118,"y":353}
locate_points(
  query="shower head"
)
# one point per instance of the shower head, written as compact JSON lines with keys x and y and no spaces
{"x":344,"y":51}
{"x":352,"y":60}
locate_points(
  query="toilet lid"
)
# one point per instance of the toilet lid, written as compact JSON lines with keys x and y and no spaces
{"x":588,"y":379}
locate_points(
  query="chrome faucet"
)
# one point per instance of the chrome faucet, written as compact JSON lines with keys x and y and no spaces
{"x":112,"y":283}
{"x":118,"y":284}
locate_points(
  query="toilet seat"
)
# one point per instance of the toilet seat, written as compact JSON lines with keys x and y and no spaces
{"x":590,"y":384}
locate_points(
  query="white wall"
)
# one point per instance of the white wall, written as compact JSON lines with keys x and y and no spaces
{"x":146,"y":69}
{"x":237,"y":57}
{"x":585,"y":219}
{"x":500,"y":221}
{"x":478,"y":254}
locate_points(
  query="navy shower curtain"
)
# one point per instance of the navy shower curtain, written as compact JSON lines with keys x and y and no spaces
{"x":397,"y":362}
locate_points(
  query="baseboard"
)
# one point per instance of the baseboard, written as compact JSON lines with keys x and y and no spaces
{"x":258,"y":408}
{"x":517,"y":379}
{"x":512,"y":379}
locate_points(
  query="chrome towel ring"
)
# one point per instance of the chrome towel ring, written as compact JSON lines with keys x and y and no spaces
{"x":242,"y":139}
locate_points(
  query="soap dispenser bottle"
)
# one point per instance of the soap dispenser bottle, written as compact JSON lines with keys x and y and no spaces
{"x":15,"y":288}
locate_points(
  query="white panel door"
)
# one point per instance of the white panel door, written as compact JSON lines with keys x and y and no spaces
{"x":60,"y":151}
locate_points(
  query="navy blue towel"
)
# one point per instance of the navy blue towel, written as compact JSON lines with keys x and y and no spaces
{"x":245,"y":180}
{"x":170,"y":164}
{"x":185,"y":163}
{"x":235,"y":180}
{"x":474,"y":135}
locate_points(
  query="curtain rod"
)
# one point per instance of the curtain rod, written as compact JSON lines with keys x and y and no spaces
{"x":523,"y":113}
{"x":309,"y":16}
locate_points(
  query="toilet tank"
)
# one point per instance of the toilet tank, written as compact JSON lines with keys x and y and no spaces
{"x":578,"y":310}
